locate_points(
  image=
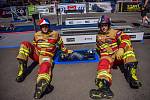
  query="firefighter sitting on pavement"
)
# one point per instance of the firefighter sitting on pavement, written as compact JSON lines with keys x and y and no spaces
{"x":113,"y":47}
{"x":42,"y":50}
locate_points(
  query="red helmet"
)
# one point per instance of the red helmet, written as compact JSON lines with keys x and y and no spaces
{"x":104,"y":20}
{"x":44,"y":21}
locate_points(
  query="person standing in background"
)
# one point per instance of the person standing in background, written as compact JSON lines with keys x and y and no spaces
{"x":144,"y":11}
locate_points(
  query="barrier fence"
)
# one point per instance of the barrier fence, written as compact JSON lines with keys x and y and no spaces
{"x":71,"y":8}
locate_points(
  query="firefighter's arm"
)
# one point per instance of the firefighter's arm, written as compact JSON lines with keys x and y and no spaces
{"x":124,"y":43}
{"x":35,"y":40}
{"x":61,"y":45}
{"x":124,"y":40}
{"x":100,"y":47}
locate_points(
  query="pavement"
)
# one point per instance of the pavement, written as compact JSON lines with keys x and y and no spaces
{"x":71,"y":81}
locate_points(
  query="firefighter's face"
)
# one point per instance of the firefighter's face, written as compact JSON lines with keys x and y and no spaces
{"x":44,"y":28}
{"x":104,"y":28}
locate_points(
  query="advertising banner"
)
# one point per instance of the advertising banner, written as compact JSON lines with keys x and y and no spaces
{"x":46,"y":9}
{"x":72,"y":8}
{"x":5,"y":12}
{"x":77,"y":39}
{"x":84,"y":20}
{"x":18,"y":13}
{"x":129,"y":6}
{"x":18,"y":10}
{"x":31,"y":9}
{"x":101,"y":7}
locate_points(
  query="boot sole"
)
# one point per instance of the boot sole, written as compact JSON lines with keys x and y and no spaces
{"x":41,"y":88}
{"x":95,"y":95}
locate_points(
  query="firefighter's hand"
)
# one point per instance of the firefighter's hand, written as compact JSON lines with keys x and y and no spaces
{"x":119,"y":53}
{"x":70,"y":51}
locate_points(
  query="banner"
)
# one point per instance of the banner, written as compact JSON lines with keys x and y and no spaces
{"x":101,"y":7}
{"x":129,"y":6}
{"x":18,"y":13}
{"x":83,"y":20}
{"x":5,"y":12}
{"x":72,"y":8}
{"x":46,"y":9}
{"x":31,"y":9}
{"x":18,"y":10}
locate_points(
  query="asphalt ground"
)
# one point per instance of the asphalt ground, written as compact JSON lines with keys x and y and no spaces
{"x":71,"y":81}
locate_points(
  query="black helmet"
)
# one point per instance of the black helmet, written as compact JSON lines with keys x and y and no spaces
{"x":104,"y":20}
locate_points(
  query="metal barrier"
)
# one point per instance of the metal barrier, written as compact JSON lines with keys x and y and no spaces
{"x":88,"y":34}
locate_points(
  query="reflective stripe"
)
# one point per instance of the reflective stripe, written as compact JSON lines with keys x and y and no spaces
{"x":33,"y":42}
{"x":64,"y":49}
{"x":105,"y":53}
{"x":133,"y":72}
{"x":128,"y":53}
{"x":20,"y":70}
{"x":43,"y":76}
{"x":25,"y":50}
{"x":104,"y":46}
{"x":45,"y":52}
{"x":127,"y":42}
{"x":45,"y":45}
{"x":113,"y":44}
{"x":24,"y":53}
{"x":60,"y":41}
{"x":104,"y":73}
{"x":98,"y":48}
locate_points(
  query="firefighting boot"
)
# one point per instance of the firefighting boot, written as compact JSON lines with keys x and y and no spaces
{"x":41,"y":87}
{"x":130,"y":75}
{"x":103,"y":91}
{"x":22,"y":70}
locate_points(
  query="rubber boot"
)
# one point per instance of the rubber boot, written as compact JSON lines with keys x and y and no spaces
{"x":103,"y":91}
{"x":22,"y":70}
{"x":41,"y":88}
{"x":130,"y":75}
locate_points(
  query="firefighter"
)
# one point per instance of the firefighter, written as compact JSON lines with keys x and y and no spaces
{"x":113,"y":47}
{"x":42,"y":50}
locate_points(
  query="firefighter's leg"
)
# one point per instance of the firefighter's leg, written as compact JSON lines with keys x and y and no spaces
{"x":130,"y":74}
{"x":130,"y":66}
{"x":22,"y":67}
{"x":44,"y":77}
{"x":103,"y":80}
{"x":24,"y":52}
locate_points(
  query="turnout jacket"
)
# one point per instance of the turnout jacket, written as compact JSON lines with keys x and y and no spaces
{"x":108,"y":44}
{"x":47,"y":44}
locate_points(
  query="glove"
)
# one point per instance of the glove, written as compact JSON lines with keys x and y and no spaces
{"x":70,"y":51}
{"x":119,"y":53}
